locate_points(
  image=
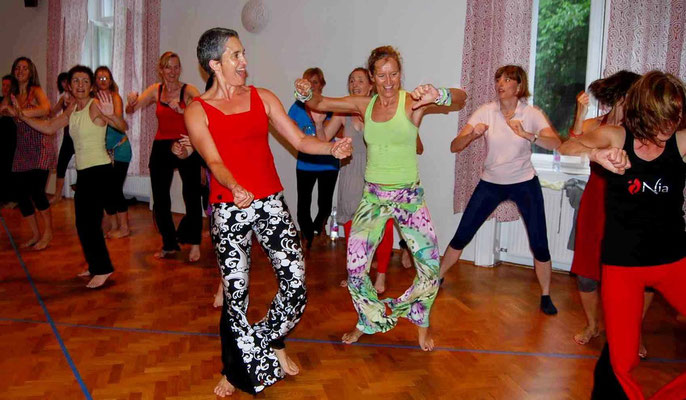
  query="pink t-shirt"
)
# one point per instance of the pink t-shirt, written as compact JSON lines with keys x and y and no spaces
{"x":508,"y":156}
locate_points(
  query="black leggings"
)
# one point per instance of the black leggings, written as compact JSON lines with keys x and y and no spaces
{"x":162,"y":165}
{"x":247,"y":349}
{"x":326,"y":186}
{"x":118,"y":202}
{"x":93,"y":190}
{"x":66,"y":151}
{"x":31,"y":190}
{"x":529,"y":199}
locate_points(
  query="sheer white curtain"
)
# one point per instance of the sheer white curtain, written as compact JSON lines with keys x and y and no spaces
{"x":134,"y":66}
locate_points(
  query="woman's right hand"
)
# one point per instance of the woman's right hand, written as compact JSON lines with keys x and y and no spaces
{"x":132,"y":99}
{"x":241,"y":197}
{"x":582,"y":101}
{"x":303,"y":86}
{"x":479,"y":130}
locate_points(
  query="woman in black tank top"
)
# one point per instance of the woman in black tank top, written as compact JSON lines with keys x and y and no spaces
{"x":645,"y":237}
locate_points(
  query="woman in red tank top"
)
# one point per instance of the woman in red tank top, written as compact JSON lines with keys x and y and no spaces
{"x":228,"y":126}
{"x":171,"y":98}
{"x":609,"y":92}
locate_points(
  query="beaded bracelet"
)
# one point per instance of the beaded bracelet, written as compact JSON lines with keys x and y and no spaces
{"x":304,"y":98}
{"x":444,"y":98}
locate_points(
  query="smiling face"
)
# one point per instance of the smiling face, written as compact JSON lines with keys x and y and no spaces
{"x":359,"y":83}
{"x":386,"y":77}
{"x":80,"y":86}
{"x":233,"y":64}
{"x":171,"y":70}
{"x":103,"y":80}
{"x":22,"y":72}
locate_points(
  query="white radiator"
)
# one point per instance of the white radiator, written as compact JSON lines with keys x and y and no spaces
{"x":514,"y":242}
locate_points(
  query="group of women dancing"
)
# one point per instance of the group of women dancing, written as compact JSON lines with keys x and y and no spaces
{"x":637,"y":150}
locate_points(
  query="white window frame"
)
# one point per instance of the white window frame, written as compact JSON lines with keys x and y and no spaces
{"x":598,"y":20}
{"x":98,"y":20}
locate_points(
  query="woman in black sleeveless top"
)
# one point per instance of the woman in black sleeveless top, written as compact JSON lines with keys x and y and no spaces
{"x":645,"y":237}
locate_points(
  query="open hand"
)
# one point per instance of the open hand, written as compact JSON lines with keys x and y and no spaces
{"x":105,"y":104}
{"x":423,"y":95}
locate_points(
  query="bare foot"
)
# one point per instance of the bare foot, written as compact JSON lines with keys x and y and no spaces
{"x":586,"y":335}
{"x":194,"y":254}
{"x":287,"y":365}
{"x":43,"y":242}
{"x":380,"y":284}
{"x":84,"y":273}
{"x":118,"y":233}
{"x":165,"y":254}
{"x":55,"y":199}
{"x":30,"y":243}
{"x":97,"y":281}
{"x":426,"y":342}
{"x":344,"y":283}
{"x":352,"y":336}
{"x":406,"y":259}
{"x":224,"y":388}
{"x":642,"y":351}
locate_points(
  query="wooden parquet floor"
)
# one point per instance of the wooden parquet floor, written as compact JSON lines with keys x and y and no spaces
{"x":153,"y":334}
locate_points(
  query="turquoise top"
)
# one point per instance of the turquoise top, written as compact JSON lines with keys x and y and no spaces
{"x":118,"y":142}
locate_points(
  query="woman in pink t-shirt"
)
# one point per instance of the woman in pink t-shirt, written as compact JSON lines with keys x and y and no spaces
{"x":510,"y":126}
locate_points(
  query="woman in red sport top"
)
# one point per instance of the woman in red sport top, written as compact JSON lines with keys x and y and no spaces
{"x":610,"y":93}
{"x":644,"y":243}
{"x":171,"y":98}
{"x":228,"y":126}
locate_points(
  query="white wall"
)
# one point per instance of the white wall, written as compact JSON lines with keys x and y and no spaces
{"x":24,"y":33}
{"x":338,"y":36}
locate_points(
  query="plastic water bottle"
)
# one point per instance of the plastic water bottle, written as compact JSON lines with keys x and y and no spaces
{"x":556,"y":161}
{"x":333,"y":225}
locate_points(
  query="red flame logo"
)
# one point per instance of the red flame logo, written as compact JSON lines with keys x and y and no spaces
{"x":634,"y":186}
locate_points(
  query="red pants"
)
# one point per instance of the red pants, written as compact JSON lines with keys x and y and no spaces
{"x":622,"y":295}
{"x":383,"y":250}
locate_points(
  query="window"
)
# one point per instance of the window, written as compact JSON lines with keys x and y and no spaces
{"x":563,"y":58}
{"x":97,"y":49}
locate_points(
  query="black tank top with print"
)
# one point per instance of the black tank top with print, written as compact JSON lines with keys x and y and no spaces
{"x":644,"y":223}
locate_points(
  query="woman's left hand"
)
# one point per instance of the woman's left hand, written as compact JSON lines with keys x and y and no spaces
{"x":174,"y":105}
{"x":423,"y":95}
{"x":517,"y":127}
{"x":105,"y":104}
{"x":342,"y":148}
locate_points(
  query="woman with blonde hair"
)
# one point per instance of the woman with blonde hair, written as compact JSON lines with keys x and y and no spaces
{"x":171,"y":97}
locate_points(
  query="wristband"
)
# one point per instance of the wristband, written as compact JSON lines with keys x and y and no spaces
{"x":444,"y":97}
{"x":303,"y":98}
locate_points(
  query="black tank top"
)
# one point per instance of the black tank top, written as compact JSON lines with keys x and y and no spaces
{"x":644,"y":223}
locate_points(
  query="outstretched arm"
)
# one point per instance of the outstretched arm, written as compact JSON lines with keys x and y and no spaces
{"x":42,"y":107}
{"x":303,"y":143}
{"x":425,"y":96}
{"x":343,"y":105}
{"x":44,"y":126}
{"x":134,"y":101}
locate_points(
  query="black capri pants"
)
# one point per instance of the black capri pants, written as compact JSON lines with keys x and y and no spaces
{"x":31,"y":191}
{"x":528,"y":197}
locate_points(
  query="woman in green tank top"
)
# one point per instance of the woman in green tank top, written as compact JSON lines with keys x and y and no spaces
{"x":392,"y":190}
{"x":88,"y":119}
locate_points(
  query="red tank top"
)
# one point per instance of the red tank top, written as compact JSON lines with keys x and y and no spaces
{"x":170,"y":124}
{"x":242,"y":141}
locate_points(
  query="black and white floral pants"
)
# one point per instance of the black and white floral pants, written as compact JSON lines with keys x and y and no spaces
{"x":248,"y":355}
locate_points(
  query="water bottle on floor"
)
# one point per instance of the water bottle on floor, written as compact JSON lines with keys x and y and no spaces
{"x":333,"y":225}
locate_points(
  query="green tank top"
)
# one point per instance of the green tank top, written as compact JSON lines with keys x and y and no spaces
{"x":391,"y":147}
{"x":89,"y":139}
